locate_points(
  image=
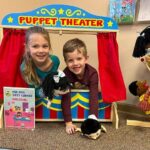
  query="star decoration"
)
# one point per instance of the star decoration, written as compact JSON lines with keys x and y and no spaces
{"x":110,"y":23}
{"x":10,"y":19}
{"x":61,"y":11}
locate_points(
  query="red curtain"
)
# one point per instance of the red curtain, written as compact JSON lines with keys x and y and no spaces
{"x":11,"y":52}
{"x":111,"y":80}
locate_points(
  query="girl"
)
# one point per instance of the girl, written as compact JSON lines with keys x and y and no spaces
{"x":38,"y":63}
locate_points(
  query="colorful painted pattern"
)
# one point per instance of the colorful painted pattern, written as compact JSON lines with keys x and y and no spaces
{"x":79,"y":108}
{"x":123,"y":11}
{"x":60,"y":16}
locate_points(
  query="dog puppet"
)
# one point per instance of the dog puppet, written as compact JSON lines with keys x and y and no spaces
{"x":54,"y":84}
{"x":91,"y":128}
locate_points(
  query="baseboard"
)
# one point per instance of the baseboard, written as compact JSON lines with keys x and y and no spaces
{"x":130,"y":109}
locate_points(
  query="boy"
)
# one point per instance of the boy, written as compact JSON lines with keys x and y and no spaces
{"x":79,"y":72}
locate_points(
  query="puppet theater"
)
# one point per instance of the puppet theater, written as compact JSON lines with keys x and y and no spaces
{"x":62,"y":19}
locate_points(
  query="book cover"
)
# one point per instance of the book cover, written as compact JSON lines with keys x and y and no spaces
{"x":19,"y":107}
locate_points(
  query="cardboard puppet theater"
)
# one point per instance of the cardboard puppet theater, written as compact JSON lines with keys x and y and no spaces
{"x":65,"y":19}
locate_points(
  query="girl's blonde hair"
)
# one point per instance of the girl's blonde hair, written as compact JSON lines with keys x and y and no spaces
{"x":72,"y":45}
{"x":29,"y":72}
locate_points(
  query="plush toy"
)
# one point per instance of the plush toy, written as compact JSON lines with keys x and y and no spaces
{"x":91,"y":128}
{"x":142,"y":43}
{"x":142,"y":47}
{"x":141,"y":89}
{"x":54,"y":84}
{"x":78,"y":85}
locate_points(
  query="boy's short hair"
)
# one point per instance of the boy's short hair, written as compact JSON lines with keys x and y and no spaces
{"x":74,"y":44}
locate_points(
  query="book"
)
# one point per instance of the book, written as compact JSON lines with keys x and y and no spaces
{"x":19,"y":107}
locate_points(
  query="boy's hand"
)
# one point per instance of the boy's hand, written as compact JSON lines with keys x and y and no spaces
{"x":70,"y":128}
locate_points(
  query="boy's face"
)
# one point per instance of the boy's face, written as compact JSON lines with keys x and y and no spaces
{"x":76,"y":61}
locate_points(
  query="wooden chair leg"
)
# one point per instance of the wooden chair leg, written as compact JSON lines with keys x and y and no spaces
{"x":1,"y":115}
{"x":115,"y":118}
{"x":138,"y":123}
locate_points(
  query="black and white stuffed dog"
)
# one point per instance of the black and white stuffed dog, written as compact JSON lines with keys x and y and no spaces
{"x":142,"y":43}
{"x":91,"y":128}
{"x":54,"y":84}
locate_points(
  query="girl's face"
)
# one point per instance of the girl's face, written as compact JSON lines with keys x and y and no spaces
{"x":76,"y":61}
{"x":38,"y":48}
